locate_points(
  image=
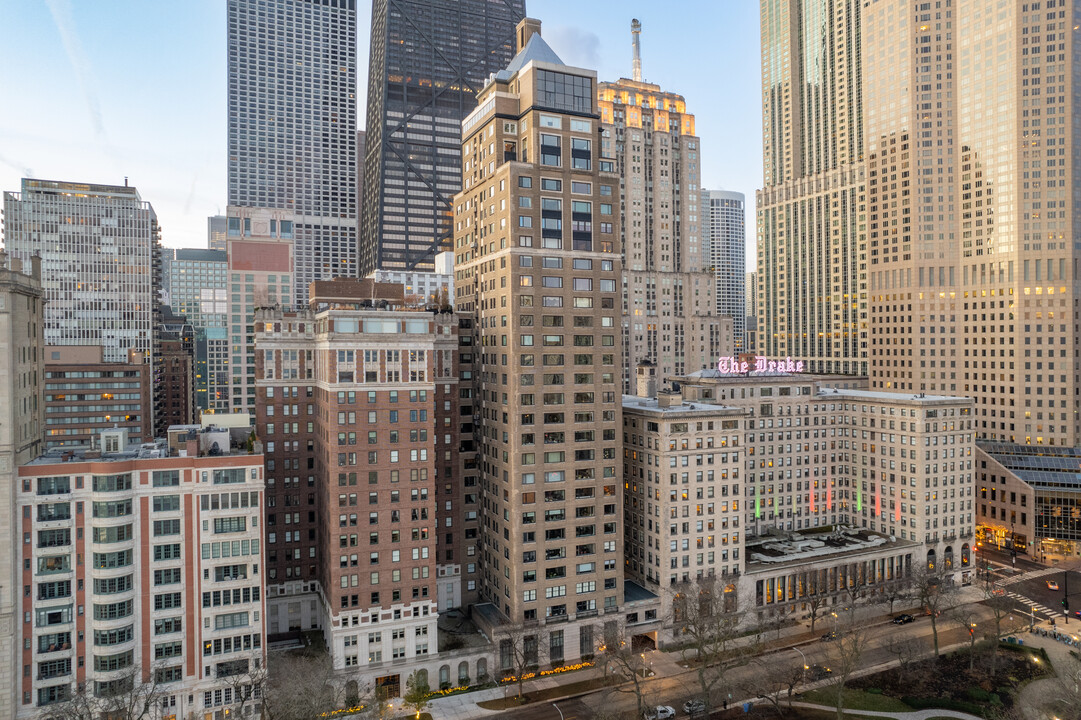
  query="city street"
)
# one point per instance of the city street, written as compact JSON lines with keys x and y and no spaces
{"x":675,"y":690}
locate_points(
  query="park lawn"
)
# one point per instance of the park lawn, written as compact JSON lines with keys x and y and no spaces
{"x":857,"y":700}
{"x":553,"y":693}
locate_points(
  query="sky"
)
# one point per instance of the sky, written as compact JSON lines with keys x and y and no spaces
{"x":96,"y":91}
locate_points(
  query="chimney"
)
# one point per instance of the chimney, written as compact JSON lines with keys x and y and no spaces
{"x":35,"y":266}
{"x":526,"y":29}
{"x":646,"y":380}
{"x":636,"y":30}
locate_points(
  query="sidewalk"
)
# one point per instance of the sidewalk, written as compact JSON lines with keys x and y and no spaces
{"x":464,"y":706}
{"x":1036,"y":693}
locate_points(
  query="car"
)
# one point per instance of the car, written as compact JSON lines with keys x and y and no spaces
{"x":831,"y":635}
{"x":998,"y":592}
{"x":661,"y":712}
{"x":903,"y":619}
{"x":1052,"y":585}
{"x":817,"y":672}
{"x":693,"y":707}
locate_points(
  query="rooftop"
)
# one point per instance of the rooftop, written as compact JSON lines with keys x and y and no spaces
{"x":878,"y":396}
{"x":784,"y":549}
{"x":653,"y":404}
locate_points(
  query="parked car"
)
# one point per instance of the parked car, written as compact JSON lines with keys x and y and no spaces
{"x":693,"y":707}
{"x":661,"y":712}
{"x":817,"y":672}
{"x":831,"y":635}
{"x":1052,"y":585}
{"x":903,"y":619}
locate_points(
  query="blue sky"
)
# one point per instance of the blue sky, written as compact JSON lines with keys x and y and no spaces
{"x":97,"y":90}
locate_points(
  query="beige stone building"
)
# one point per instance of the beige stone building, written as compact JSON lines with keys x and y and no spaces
{"x":538,"y":270}
{"x":21,"y":427}
{"x":669,"y":296}
{"x":682,"y":490}
{"x":969,"y":112}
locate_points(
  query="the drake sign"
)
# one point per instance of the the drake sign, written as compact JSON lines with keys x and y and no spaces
{"x":734,"y":366}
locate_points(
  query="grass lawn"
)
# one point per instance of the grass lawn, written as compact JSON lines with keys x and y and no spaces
{"x":560,"y":691}
{"x":857,"y":700}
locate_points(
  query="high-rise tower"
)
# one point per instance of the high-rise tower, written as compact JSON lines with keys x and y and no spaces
{"x":813,"y":303}
{"x":428,"y":62}
{"x":100,"y":254}
{"x":538,"y":270}
{"x":724,"y":230}
{"x":293,"y":123}
{"x":669,"y":310}
{"x":971,"y":209}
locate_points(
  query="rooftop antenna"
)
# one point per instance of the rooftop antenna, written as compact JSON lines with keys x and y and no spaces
{"x":636,"y":30}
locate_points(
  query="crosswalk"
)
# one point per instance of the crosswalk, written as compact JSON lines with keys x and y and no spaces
{"x":1028,"y":602}
{"x":1032,"y":604}
{"x":1027,"y":576}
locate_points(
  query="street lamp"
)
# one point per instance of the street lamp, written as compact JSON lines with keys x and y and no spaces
{"x":806,"y":667}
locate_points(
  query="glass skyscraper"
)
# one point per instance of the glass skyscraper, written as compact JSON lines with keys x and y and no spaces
{"x":428,"y":61}
{"x":293,"y":125}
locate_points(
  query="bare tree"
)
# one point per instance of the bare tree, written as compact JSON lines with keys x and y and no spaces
{"x":965,"y":616}
{"x":774,"y":681}
{"x":895,"y":591}
{"x":299,"y":687}
{"x":131,"y":696}
{"x":816,"y":606}
{"x":846,"y":654}
{"x":907,"y":650}
{"x":1001,"y":607}
{"x":937,"y":593}
{"x":705,"y":624}
{"x":618,"y":649}
{"x":520,"y":652}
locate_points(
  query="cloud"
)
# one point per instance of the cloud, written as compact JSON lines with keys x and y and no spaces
{"x":65,"y":25}
{"x":574,"y":46}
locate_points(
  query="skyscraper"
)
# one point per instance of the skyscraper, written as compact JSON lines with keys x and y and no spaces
{"x":724,"y":230}
{"x":99,"y":246}
{"x":215,"y":232}
{"x":199,"y":290}
{"x":669,"y":310}
{"x":428,"y":62}
{"x":971,"y":208}
{"x":539,"y":268}
{"x":813,"y":303}
{"x":292,"y":125}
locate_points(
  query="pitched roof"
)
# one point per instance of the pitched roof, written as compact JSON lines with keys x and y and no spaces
{"x":535,"y":49}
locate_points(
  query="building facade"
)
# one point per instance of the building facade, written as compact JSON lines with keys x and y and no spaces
{"x":215,"y":233}
{"x":435,"y":288}
{"x":84,"y":396}
{"x":972,"y":263}
{"x":22,"y":422}
{"x":293,"y":124}
{"x":428,"y":62}
{"x":162,"y":549}
{"x":904,"y":466}
{"x":750,"y":309}
{"x":812,"y":294}
{"x":669,"y":314}
{"x":361,"y":529}
{"x":724,"y":229}
{"x":99,"y":245}
{"x":260,"y":250}
{"x":199,"y":291}
{"x":538,"y":272}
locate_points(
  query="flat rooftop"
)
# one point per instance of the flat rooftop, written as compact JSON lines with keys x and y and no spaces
{"x":686,"y":407}
{"x":787,"y":549}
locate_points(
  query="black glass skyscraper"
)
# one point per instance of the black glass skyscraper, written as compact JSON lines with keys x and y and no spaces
{"x":428,"y":61}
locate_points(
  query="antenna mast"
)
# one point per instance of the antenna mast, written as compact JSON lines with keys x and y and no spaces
{"x":636,"y":30}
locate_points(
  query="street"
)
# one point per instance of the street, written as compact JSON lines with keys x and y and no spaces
{"x":674,"y":690}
